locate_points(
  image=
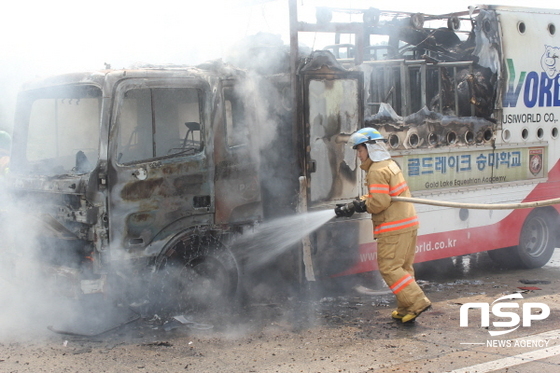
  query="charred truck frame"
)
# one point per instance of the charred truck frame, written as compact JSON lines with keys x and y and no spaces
{"x":162,"y":167}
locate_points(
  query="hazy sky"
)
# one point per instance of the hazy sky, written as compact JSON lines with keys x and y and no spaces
{"x":39,"y":38}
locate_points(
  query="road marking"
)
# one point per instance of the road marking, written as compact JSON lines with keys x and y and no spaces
{"x":511,"y":361}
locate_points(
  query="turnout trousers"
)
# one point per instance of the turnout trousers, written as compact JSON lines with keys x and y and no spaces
{"x":395,"y":256}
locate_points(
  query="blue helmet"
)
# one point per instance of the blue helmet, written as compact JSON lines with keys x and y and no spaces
{"x":363,"y":136}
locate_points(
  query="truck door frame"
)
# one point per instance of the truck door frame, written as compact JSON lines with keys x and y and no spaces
{"x":327,"y":73}
{"x":166,"y":194}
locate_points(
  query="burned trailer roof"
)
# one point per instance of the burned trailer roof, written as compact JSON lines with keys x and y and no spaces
{"x":442,"y":35}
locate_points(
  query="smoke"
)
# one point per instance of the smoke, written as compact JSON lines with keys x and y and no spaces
{"x":27,"y":306}
{"x":44,"y":281}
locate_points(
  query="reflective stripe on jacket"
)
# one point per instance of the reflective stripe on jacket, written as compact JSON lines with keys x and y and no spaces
{"x":385,"y":180}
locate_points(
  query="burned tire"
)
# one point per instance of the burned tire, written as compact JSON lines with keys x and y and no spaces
{"x":196,"y":275}
{"x":536,"y":243}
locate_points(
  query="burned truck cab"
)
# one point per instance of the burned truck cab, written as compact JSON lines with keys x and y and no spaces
{"x":125,"y":166}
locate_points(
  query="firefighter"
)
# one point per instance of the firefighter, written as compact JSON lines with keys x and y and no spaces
{"x":395,"y":224}
{"x":5,"y":145}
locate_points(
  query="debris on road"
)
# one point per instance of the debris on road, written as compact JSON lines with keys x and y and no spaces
{"x":529,"y":288}
{"x":534,"y":282}
{"x":91,"y":322}
{"x":158,"y":344}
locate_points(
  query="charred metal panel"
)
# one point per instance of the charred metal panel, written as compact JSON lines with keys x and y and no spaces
{"x":280,"y":159}
{"x":237,"y":193}
{"x":236,"y":136}
{"x":333,"y":105}
{"x":140,"y":190}
{"x":488,"y":45}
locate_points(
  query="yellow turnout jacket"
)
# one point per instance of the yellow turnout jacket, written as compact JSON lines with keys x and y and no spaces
{"x":385,"y":180}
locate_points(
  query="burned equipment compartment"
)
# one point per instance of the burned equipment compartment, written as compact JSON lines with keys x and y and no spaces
{"x":429,"y":80}
{"x":424,"y":81}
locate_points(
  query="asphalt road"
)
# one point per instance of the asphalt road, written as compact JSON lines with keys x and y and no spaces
{"x":437,"y":342}
{"x":345,"y":333}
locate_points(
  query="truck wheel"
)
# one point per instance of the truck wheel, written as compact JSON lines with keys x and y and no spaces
{"x":197,"y":274}
{"x":537,"y":240}
{"x":536,"y":243}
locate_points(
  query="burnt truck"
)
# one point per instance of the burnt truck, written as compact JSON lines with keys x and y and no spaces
{"x":153,"y":167}
{"x":163,"y":167}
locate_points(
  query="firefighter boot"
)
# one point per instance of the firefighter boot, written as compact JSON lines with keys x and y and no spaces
{"x":396,"y":315}
{"x":413,"y":315}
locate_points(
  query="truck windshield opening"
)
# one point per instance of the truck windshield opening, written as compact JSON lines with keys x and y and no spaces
{"x":62,"y":131}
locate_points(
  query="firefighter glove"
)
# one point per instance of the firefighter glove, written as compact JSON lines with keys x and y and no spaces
{"x":360,"y":205}
{"x":344,"y":210}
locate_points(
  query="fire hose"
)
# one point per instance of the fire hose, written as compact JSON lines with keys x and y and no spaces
{"x":479,"y":206}
{"x":347,"y":210}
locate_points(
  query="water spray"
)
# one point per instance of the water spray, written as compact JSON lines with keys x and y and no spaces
{"x":268,"y":240}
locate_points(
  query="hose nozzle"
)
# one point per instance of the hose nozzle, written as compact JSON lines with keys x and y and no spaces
{"x":348,"y":209}
{"x":344,"y":210}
